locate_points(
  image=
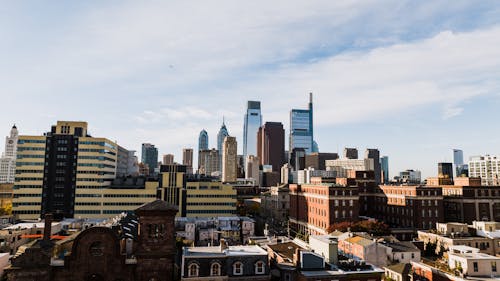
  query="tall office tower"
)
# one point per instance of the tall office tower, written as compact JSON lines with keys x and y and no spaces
{"x":486,"y":167}
{"x":315,"y":148}
{"x":168,"y":159}
{"x":8,"y":160}
{"x":252,"y":168}
{"x":445,"y":170}
{"x":209,"y":162}
{"x":350,"y":153}
{"x":221,"y":135}
{"x":286,"y":173}
{"x":372,"y":153}
{"x":271,"y":145}
{"x":241,"y":167}
{"x":173,"y":186}
{"x":59,"y":171}
{"x":297,"y":159}
{"x":127,"y":164}
{"x":187,"y":159}
{"x":458,"y":161}
{"x":229,"y":159}
{"x":317,"y":160}
{"x":301,"y":128}
{"x":149,"y":156}
{"x":251,"y":125}
{"x":384,"y":163}
{"x":203,"y":140}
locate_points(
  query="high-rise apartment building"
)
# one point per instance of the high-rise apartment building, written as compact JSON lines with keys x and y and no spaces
{"x":168,"y":159}
{"x":127,"y":164}
{"x":372,"y":153}
{"x":187,"y":159}
{"x":301,"y":128}
{"x":486,"y":167}
{"x":221,"y":135}
{"x":350,"y":153}
{"x":229,"y":160}
{"x":384,"y":163}
{"x":209,"y":162}
{"x":445,"y":170}
{"x":251,"y":125}
{"x":149,"y":156}
{"x":8,"y":159}
{"x":271,"y":145}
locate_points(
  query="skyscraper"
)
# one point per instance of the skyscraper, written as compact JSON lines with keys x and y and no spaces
{"x":187,"y":159}
{"x":208,"y":162}
{"x":445,"y":170}
{"x":458,"y":161}
{"x":251,"y":124}
{"x":149,"y":156}
{"x":229,"y":159}
{"x":384,"y":163}
{"x":8,"y":160}
{"x":487,"y":167}
{"x":203,"y":140}
{"x":372,"y":153}
{"x":271,"y":145}
{"x":168,"y":159}
{"x":350,"y":153}
{"x":301,"y":128}
{"x":221,"y":135}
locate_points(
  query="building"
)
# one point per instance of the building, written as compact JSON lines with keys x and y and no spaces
{"x":252,"y":170}
{"x":149,"y":156}
{"x":364,"y":249}
{"x":271,"y":145}
{"x":372,"y":153}
{"x":138,"y":248}
{"x":485,"y":167}
{"x":384,"y":165}
{"x":286,"y":174}
{"x":221,"y":135}
{"x":410,"y":177}
{"x":229,"y":160}
{"x":325,"y":245}
{"x":251,"y":125}
{"x":398,"y":272}
{"x":127,"y":164}
{"x":301,"y":128}
{"x":6,"y":194}
{"x":168,"y":159}
{"x":470,"y":262}
{"x":445,"y":170}
{"x":207,"y":198}
{"x":317,"y":160}
{"x":305,"y":176}
{"x":458,"y":162}
{"x":297,"y":159}
{"x":225,"y":263}
{"x":203,"y":140}
{"x":8,"y":159}
{"x":350,"y":153}
{"x":210,"y":230}
{"x":15,"y":236}
{"x":209,"y":162}
{"x":275,"y":205}
{"x":341,"y":166}
{"x":187,"y":159}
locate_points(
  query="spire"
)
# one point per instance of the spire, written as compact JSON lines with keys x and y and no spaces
{"x":14,"y":127}
{"x":311,"y":97}
{"x":223,"y":121}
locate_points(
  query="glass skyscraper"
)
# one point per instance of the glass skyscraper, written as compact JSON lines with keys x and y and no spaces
{"x":149,"y":156}
{"x":458,"y":161}
{"x":301,"y":128}
{"x":251,"y":125}
{"x":384,"y":165}
{"x":203,"y":140}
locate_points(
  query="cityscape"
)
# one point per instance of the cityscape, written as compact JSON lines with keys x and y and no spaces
{"x":144,"y":172}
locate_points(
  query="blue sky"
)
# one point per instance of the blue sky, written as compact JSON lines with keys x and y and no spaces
{"x":413,"y":78}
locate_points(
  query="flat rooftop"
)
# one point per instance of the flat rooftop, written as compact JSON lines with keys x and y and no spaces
{"x":215,"y":251}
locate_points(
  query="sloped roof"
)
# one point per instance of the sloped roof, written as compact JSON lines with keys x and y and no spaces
{"x":401,"y":268}
{"x":157,"y":205}
{"x":360,"y":241}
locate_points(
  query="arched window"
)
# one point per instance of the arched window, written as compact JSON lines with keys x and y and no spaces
{"x":193,"y":270}
{"x":237,"y":268}
{"x":215,"y":269}
{"x":260,"y":267}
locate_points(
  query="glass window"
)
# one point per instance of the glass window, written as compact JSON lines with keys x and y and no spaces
{"x":259,"y":268}
{"x":215,"y":270}
{"x":238,"y":268}
{"x":193,"y":270}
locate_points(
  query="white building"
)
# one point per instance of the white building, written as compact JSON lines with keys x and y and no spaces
{"x":304,"y":176}
{"x":486,"y":167}
{"x":470,"y":262}
{"x":340,"y":166}
{"x":8,"y":159}
{"x":326,"y":246}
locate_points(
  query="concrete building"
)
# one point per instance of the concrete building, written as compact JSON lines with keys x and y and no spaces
{"x":350,"y":153}
{"x":325,"y":245}
{"x":271,"y":145}
{"x":208,"y":198}
{"x":485,"y":167}
{"x":286,"y":174}
{"x":398,"y":272}
{"x":471,"y":263}
{"x":187,"y":159}
{"x":229,"y":160}
{"x":372,"y":153}
{"x":221,"y":135}
{"x":168,"y":159}
{"x":127,"y":164}
{"x":301,"y":128}
{"x":305,"y":176}
{"x":410,"y":177}
{"x":149,"y":156}
{"x":8,"y":159}
{"x":367,"y":250}
{"x":317,"y":160}
{"x":252,"y":168}
{"x":251,"y":125}
{"x":275,"y":205}
{"x":209,"y":162}
{"x":15,"y":236}
{"x":341,"y":166}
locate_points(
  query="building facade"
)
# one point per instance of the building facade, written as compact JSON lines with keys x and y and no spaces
{"x":317,"y":160}
{"x":8,"y":159}
{"x":208,"y":162}
{"x":187,"y":159}
{"x":384,"y":165}
{"x":372,"y":153}
{"x":229,"y":160}
{"x":271,"y":145}
{"x":251,"y":124}
{"x":203,"y":140}
{"x":221,"y":135}
{"x":168,"y":159}
{"x":486,"y":167}
{"x":127,"y":164}
{"x":301,"y":128}
{"x":149,"y":156}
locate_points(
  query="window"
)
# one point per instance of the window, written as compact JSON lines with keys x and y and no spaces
{"x":193,"y":270}
{"x":259,"y":267}
{"x":494,"y":266}
{"x":476,"y":269}
{"x":215,"y":269}
{"x":238,"y":268}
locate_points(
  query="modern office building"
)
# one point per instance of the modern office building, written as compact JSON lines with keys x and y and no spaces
{"x":271,"y":145}
{"x":209,"y":198}
{"x":410,"y":177}
{"x":187,"y":159}
{"x":445,"y":170}
{"x":252,"y":168}
{"x":203,"y":140}
{"x":372,"y":153}
{"x":486,"y":167}
{"x":251,"y":124}
{"x":384,"y":165}
{"x":208,"y":162}
{"x":297,"y":159}
{"x":149,"y":156}
{"x":8,"y":159}
{"x":341,"y":166}
{"x":317,"y":160}
{"x":127,"y":164}
{"x":350,"y":153}
{"x":168,"y":159}
{"x":301,"y":128}
{"x":172,"y":186}
{"x":221,"y":135}
{"x":229,"y":160}
{"x":458,"y":162}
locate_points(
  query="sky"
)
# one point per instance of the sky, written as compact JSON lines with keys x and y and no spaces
{"x":414,"y":79}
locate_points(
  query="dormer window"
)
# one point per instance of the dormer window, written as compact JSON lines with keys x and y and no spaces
{"x":260,"y":267}
{"x":238,"y":268}
{"x":215,"y":269}
{"x":193,"y":270}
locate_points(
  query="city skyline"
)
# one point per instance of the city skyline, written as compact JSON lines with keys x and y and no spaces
{"x":414,"y":82}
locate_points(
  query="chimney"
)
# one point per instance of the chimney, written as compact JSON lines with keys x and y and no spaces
{"x":296,"y":258}
{"x":223,"y":245}
{"x":47,"y":228}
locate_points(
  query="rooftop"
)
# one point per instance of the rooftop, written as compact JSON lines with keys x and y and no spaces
{"x":230,"y":251}
{"x":401,"y":268}
{"x":286,"y":250}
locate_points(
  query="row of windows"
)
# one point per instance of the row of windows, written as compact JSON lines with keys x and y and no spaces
{"x":27,"y":195}
{"x":98,"y":165}
{"x":22,"y":141}
{"x":88,"y":212}
{"x":26,"y":212}
{"x":101,"y":143}
{"x":21,"y":156}
{"x":28,"y":171}
{"x":22,"y":148}
{"x":211,"y":211}
{"x":130,"y":195}
{"x":97,"y":150}
{"x":100,"y":158}
{"x":215,"y":268}
{"x":28,"y":179}
{"x":122,"y":204}
{"x":26,"y":204}
{"x":88,"y":204}
{"x":210,"y":196}
{"x":26,"y":186}
{"x":96,"y":172}
{"x":19,"y":164}
{"x":88,"y":195}
{"x":212,"y":204}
